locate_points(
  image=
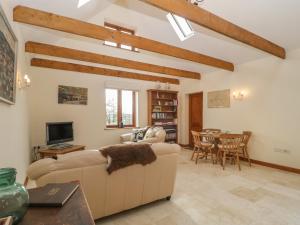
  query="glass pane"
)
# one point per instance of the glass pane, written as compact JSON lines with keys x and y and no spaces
{"x":109,"y":43}
{"x":126,"y":32}
{"x":184,"y":26}
{"x":111,"y":98}
{"x":126,"y":47}
{"x":127,"y":107}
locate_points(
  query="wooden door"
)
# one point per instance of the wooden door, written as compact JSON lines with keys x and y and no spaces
{"x":195,"y":114}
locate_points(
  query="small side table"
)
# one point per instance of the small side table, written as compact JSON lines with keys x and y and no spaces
{"x":76,"y":211}
{"x":45,"y":153}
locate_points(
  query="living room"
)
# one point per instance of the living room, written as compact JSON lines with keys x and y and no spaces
{"x":243,"y":84}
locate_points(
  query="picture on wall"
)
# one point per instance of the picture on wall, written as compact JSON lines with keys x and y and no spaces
{"x":8,"y":61}
{"x":72,"y":95}
{"x":218,"y":99}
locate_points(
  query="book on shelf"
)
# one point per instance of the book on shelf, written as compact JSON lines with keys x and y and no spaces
{"x":52,"y":195}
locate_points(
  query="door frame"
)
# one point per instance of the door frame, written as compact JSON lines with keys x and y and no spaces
{"x":189,"y":114}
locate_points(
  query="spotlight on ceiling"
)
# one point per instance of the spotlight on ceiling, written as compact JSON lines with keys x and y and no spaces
{"x":82,"y":3}
{"x":181,"y":26}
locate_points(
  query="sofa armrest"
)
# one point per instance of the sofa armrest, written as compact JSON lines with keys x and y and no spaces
{"x":126,"y":137}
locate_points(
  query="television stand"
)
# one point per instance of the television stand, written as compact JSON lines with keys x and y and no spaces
{"x":60,"y":146}
{"x":50,"y":153}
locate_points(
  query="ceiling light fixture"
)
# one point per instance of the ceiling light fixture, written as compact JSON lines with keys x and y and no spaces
{"x":82,"y":3}
{"x":196,"y":2}
{"x":181,"y":26}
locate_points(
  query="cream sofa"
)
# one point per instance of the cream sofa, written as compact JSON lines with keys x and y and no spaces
{"x":123,"y":189}
{"x":153,"y":135}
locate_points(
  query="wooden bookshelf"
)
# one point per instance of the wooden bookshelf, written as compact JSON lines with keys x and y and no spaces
{"x":163,"y":111}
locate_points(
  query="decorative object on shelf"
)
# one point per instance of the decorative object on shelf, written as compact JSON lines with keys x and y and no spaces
{"x":239,"y":95}
{"x":157,"y":108}
{"x":72,"y":95}
{"x":218,"y":99}
{"x":158,"y":85}
{"x":13,"y":196}
{"x":168,"y":86}
{"x":23,"y":82}
{"x":8,"y":61}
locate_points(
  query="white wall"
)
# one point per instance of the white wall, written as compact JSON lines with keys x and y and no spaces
{"x":270,"y":110}
{"x":89,"y":121}
{"x":14,"y":128}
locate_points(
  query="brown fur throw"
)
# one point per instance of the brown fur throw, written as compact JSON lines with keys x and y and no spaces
{"x":120,"y":156}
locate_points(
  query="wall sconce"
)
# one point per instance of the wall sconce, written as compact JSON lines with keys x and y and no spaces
{"x":239,"y":95}
{"x":24,"y":82}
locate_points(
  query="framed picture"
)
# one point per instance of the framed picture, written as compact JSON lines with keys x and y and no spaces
{"x":72,"y":95}
{"x":8,"y":61}
{"x":218,"y":99}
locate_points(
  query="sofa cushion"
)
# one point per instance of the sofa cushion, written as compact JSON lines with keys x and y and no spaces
{"x":67,"y":161}
{"x":165,"y":148}
{"x":40,"y":168}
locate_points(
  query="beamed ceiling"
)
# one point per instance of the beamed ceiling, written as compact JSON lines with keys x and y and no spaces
{"x":275,"y":20}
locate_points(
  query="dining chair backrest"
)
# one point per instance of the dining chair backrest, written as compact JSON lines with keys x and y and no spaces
{"x":196,"y":138}
{"x":211,"y":130}
{"x":231,"y":142}
{"x":209,"y":138}
{"x":246,"y":138}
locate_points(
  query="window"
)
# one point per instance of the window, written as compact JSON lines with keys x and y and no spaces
{"x":123,"y":30}
{"x":121,"y":106}
{"x":181,"y":26}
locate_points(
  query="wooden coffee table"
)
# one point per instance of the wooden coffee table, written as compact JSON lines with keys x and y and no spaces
{"x":52,"y":153}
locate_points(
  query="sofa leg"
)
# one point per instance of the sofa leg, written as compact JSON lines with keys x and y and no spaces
{"x":168,"y":198}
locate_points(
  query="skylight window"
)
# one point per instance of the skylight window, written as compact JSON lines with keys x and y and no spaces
{"x":181,"y":26}
{"x":82,"y":3}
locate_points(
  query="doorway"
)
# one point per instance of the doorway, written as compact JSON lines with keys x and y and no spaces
{"x":195,"y":114}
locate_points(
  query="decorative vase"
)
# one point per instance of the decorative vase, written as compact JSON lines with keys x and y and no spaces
{"x":13,"y":196}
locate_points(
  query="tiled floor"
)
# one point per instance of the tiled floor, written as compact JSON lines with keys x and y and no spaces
{"x":207,"y":195}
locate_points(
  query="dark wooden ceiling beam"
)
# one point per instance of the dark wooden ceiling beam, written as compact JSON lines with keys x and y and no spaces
{"x":206,"y":19}
{"x":51,"y":64}
{"x":60,"y":23}
{"x":68,"y":53}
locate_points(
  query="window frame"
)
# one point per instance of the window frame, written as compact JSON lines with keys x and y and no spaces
{"x":119,"y":109}
{"x":122,"y":30}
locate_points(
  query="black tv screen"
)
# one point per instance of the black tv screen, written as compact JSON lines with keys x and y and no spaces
{"x":59,"y":132}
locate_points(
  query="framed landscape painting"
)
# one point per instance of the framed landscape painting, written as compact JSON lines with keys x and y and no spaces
{"x":72,"y":95}
{"x":8,"y":61}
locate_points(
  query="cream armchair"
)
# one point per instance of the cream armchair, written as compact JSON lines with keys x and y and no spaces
{"x":153,"y":135}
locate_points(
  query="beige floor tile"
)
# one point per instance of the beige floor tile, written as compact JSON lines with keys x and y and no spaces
{"x":206,"y":194}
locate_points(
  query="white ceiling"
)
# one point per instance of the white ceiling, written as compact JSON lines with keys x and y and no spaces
{"x":276,"y":20}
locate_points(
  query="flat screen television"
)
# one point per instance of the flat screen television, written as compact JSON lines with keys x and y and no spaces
{"x":59,"y":132}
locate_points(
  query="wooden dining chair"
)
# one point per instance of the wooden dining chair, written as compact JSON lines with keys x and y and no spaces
{"x":230,"y":148}
{"x":244,"y":145}
{"x":197,"y":143}
{"x":207,"y":144}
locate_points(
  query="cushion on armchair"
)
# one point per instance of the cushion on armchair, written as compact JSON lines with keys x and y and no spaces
{"x":138,"y":134}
